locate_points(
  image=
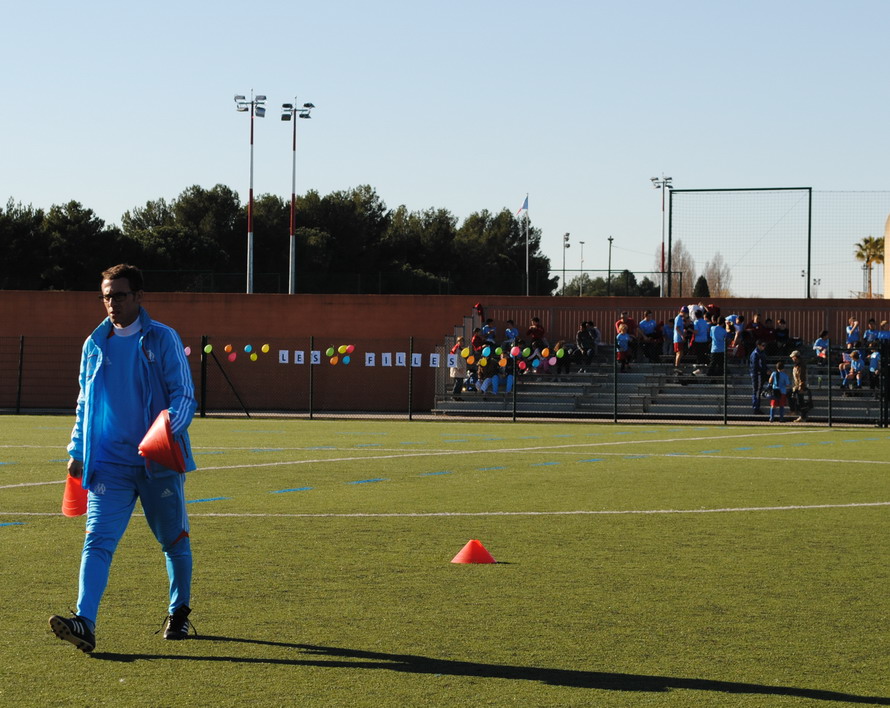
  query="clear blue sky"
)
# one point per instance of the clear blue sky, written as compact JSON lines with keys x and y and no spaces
{"x":463,"y":105}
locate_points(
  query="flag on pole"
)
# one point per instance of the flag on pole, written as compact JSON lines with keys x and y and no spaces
{"x":524,"y":206}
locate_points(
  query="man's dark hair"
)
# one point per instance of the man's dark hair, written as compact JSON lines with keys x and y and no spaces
{"x":124,"y":270}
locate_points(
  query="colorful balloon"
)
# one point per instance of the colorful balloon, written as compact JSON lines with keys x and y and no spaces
{"x":515,"y":351}
{"x":536,"y":362}
{"x":227,"y":348}
{"x":545,"y":353}
{"x":560,"y":353}
{"x":486,"y":351}
{"x":232,"y":356}
{"x":346,"y":360}
{"x":502,"y":362}
{"x":188,"y":351}
{"x":483,"y":361}
{"x":342,"y":349}
{"x":471,"y":360}
{"x":522,"y":365}
{"x":208,"y":348}
{"x":248,"y":348}
{"x":265,"y":349}
{"x":552,"y":361}
{"x":329,"y":351}
{"x":334,"y":360}
{"x":253,"y":357}
{"x":350,"y":349}
{"x":498,"y":351}
{"x":526,"y":351}
{"x":465,"y":352}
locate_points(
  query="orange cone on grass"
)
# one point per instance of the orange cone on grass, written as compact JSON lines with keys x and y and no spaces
{"x":473,"y":552}
{"x":74,"y":501}
{"x":159,"y":446}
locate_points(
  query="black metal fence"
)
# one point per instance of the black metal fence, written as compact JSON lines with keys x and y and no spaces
{"x":410,"y":378}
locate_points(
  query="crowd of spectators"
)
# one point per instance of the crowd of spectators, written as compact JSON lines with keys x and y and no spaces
{"x":699,"y":335}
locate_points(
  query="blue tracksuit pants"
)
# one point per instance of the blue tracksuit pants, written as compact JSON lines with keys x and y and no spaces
{"x":114,"y":490}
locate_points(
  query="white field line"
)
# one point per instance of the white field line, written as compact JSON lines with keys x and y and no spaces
{"x":603,"y":512}
{"x":555,"y":449}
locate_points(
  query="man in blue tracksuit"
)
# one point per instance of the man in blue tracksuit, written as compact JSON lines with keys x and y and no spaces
{"x":132,"y":368}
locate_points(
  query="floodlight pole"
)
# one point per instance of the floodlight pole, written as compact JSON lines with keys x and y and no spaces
{"x":664,"y":184}
{"x":255,"y":107}
{"x":609,"y":276}
{"x":565,"y":246}
{"x":581,"y":279}
{"x":289,"y":112}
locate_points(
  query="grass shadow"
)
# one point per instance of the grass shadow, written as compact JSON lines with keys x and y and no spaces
{"x":338,"y":657}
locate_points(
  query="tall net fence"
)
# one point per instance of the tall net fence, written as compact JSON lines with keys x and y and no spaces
{"x":768,"y":243}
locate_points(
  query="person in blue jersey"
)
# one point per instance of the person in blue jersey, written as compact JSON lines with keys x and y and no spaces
{"x":718,"y":336}
{"x":701,"y":332}
{"x":778,"y":385}
{"x":679,"y":336}
{"x":852,"y":332}
{"x":132,"y":368}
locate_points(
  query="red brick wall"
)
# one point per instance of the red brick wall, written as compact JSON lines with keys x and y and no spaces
{"x":55,"y":323}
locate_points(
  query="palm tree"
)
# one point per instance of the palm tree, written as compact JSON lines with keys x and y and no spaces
{"x":870,"y":250}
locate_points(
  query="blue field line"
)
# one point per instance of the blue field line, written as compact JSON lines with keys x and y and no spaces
{"x":453,"y":441}
{"x":491,"y":439}
{"x":260,"y":432}
{"x":543,"y":464}
{"x":367,"y":481}
{"x":431,"y":474}
{"x":622,"y":432}
{"x":800,"y":444}
{"x":744,"y":448}
{"x":488,"y":469}
{"x":15,"y":463}
{"x":13,"y":523}
{"x":409,"y":442}
{"x":529,"y":437}
{"x":352,"y":432}
{"x":368,"y":445}
{"x":826,"y":442}
{"x":707,"y":452}
{"x":209,"y":452}
{"x":61,"y":459}
{"x":322,"y":447}
{"x":773,"y":446}
{"x":267,"y":449}
{"x":198,"y":501}
{"x":593,"y":459}
{"x":567,"y":435}
{"x":635,"y":457}
{"x":294,"y":489}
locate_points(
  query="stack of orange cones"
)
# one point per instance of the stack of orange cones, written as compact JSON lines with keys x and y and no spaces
{"x":473,"y":552}
{"x":159,"y":446}
{"x":74,"y":501}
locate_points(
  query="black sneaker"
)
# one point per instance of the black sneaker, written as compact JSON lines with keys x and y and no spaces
{"x":74,"y":630}
{"x":177,"y":626}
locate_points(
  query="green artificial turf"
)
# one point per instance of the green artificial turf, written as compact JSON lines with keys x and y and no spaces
{"x":637,"y":565}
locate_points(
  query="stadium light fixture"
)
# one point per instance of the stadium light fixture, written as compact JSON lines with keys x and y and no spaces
{"x":255,"y":107}
{"x":290,"y":113}
{"x":664,"y":184}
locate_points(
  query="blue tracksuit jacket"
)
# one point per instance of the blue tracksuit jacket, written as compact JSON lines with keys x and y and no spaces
{"x":166,"y":379}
